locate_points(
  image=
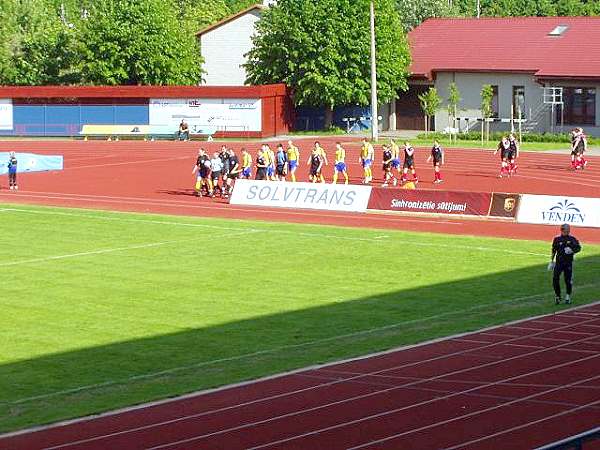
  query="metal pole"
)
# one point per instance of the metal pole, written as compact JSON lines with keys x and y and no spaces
{"x":374,"y":115}
{"x":478,"y":9}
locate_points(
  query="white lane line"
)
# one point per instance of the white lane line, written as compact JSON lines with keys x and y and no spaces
{"x":117,"y":249}
{"x":274,"y":230}
{"x":479,"y":412}
{"x":525,"y":425}
{"x":369,"y":395}
{"x":125,"y":163}
{"x":301,"y":391}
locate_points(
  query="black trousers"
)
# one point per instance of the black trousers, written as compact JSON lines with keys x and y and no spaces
{"x":567,"y":270}
{"x":12,"y":179}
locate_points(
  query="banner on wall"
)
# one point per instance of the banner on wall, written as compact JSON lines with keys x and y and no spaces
{"x":505,"y":205}
{"x":6,"y":114}
{"x":340,"y":197}
{"x":30,"y":162}
{"x":432,"y":202}
{"x":556,"y":210}
{"x":201,"y":114}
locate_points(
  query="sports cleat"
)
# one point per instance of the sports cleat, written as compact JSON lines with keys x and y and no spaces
{"x":384,"y":185}
{"x":567,"y":299}
{"x":395,"y":181}
{"x":557,"y":300}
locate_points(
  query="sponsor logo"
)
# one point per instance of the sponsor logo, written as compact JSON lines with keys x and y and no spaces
{"x":564,"y":211}
{"x":194,"y":103}
{"x":325,"y":197}
{"x":509,"y":204}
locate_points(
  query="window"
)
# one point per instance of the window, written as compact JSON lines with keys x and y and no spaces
{"x":495,"y":108}
{"x":518,"y":102}
{"x":579,"y":106}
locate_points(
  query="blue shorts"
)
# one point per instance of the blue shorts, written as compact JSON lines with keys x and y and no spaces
{"x":247,"y":172}
{"x":366,"y":163}
{"x":270,"y":171}
{"x":395,"y":163}
{"x":340,"y":167}
{"x":293,"y":165}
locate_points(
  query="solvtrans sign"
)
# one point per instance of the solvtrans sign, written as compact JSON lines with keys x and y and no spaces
{"x":555,"y":210}
{"x":341,"y":197}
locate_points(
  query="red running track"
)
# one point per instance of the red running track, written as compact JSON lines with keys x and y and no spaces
{"x":514,"y":387}
{"x":156,"y":177}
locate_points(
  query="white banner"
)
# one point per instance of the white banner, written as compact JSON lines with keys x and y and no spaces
{"x":556,"y":210}
{"x":220,"y":114}
{"x":331,"y":197}
{"x":6,"y":114}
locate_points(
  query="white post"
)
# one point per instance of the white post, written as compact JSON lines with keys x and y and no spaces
{"x":374,"y":114}
{"x":392,"y":118}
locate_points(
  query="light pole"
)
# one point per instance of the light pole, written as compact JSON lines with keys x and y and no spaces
{"x":374,"y":115}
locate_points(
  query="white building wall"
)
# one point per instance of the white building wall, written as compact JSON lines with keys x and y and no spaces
{"x":470,"y":84}
{"x":223,"y":50}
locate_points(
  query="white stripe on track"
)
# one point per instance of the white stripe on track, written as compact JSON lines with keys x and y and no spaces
{"x":336,"y":382}
{"x":372,"y":394}
{"x":482,"y":411}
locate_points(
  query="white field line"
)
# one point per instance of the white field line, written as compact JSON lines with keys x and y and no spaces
{"x":375,"y":393}
{"x":117,"y":249}
{"x":285,"y":347}
{"x":178,"y":204}
{"x":379,"y":238}
{"x":300,"y":391}
{"x":125,"y":163}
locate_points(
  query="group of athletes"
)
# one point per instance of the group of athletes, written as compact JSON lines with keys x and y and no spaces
{"x":216,"y":174}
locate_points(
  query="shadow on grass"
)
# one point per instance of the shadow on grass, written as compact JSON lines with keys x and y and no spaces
{"x":89,"y":380}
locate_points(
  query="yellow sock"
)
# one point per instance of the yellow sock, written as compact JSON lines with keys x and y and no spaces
{"x":294,"y":177}
{"x":198,"y":185}
{"x":346,"y":177}
{"x":335,"y":176}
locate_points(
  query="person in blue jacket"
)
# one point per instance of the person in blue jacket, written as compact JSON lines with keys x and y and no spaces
{"x":12,"y":171}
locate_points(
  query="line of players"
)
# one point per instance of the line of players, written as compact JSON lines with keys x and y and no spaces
{"x":217,"y":174}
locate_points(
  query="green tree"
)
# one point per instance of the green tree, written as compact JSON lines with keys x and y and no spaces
{"x":430,"y":103}
{"x":414,"y":12}
{"x":321,"y":50}
{"x":487,"y":96}
{"x":452,"y":105}
{"x":137,"y":42}
{"x":198,"y":14}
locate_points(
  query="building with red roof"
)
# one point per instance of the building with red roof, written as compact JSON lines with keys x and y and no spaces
{"x":518,"y":57}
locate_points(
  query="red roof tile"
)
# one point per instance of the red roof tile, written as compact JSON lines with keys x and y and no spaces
{"x":516,"y":44}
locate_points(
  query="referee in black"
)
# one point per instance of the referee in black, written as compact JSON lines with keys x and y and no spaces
{"x":563,"y":249}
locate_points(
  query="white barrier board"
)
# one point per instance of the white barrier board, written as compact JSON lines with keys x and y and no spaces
{"x":340,"y":197}
{"x":6,"y":114}
{"x":556,"y":210}
{"x":222,"y":114}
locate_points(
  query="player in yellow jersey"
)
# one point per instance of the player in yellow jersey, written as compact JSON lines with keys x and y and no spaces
{"x":367,"y":157}
{"x":293,"y":156}
{"x":395,"y":156}
{"x":246,"y":164}
{"x":340,"y":163}
{"x":321,"y":151}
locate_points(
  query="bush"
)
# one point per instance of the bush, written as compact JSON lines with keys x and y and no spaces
{"x":497,"y":135}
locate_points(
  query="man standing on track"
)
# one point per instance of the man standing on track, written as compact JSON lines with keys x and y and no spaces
{"x":12,"y":171}
{"x":563,"y":248}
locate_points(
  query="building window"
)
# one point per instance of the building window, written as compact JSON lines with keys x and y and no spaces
{"x":579,"y":106}
{"x":518,"y":102}
{"x":495,"y":108}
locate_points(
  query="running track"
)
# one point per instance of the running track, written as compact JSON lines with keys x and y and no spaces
{"x":156,"y":177}
{"x":512,"y":387}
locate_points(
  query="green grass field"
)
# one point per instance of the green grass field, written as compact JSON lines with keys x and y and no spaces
{"x":101,"y":310}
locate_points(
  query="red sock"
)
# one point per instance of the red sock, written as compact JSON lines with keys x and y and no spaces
{"x":415,"y":177}
{"x":439,"y":175}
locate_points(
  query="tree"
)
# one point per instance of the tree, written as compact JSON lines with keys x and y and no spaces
{"x":487,"y":96}
{"x":452,"y":106}
{"x":430,"y":103}
{"x":414,"y":12}
{"x":198,"y":14}
{"x":321,"y":50}
{"x":137,"y":42}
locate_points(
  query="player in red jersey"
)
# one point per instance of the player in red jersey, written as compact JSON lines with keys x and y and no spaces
{"x":437,"y":155}
{"x":503,"y":148}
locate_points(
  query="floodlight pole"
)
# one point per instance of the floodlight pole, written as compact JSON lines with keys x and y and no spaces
{"x":374,"y":114}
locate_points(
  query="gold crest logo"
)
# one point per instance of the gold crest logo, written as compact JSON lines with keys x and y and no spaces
{"x":509,"y":204}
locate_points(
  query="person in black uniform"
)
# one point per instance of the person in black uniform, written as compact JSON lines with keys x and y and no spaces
{"x":224,"y":155}
{"x":513,"y":154}
{"x":563,"y":249}
{"x":202,"y":171}
{"x":388,"y":159}
{"x":409,"y":164}
{"x":235,"y":169}
{"x":316,"y":165}
{"x":437,"y":155}
{"x":261,"y":166}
